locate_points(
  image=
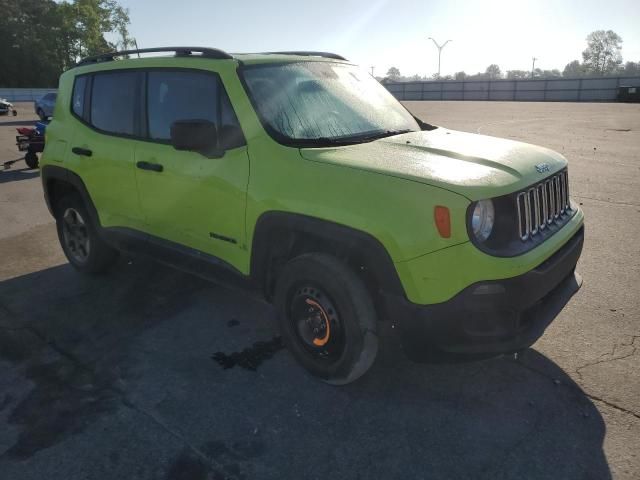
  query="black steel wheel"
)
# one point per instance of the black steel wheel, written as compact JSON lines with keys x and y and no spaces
{"x":316,"y":322}
{"x":326,"y":317}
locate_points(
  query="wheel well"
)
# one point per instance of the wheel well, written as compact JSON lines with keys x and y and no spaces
{"x":282,"y":241}
{"x":58,"y":181}
{"x":56,"y":189}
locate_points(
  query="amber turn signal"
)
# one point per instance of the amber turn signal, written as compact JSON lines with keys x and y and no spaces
{"x":443,"y":220}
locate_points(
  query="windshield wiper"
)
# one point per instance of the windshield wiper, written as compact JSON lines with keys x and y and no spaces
{"x":350,"y":140}
{"x":383,"y":134}
{"x":322,"y":141}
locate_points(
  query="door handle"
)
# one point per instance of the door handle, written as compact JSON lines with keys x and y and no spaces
{"x":82,"y":151}
{"x":154,"y":167}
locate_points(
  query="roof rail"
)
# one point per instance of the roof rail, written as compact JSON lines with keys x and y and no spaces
{"x":311,"y":54}
{"x":179,"y":51}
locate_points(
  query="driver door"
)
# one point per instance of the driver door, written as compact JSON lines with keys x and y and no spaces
{"x":186,"y":197}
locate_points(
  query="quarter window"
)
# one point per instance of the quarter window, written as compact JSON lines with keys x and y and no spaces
{"x":229,"y":129}
{"x":113,"y":102}
{"x":77,"y":98}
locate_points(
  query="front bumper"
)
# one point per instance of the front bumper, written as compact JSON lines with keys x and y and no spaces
{"x":491,"y":317}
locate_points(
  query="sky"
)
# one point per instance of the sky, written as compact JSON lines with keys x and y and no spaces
{"x":385,"y":33}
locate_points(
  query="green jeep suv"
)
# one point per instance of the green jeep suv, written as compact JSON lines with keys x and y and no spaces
{"x":299,"y":174}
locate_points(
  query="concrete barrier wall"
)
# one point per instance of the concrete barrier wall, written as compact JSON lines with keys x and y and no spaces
{"x":24,"y":94}
{"x":549,"y":90}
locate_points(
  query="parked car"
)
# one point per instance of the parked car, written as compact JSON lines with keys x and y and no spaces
{"x":6,"y":108}
{"x":302,"y":176}
{"x":45,"y":105}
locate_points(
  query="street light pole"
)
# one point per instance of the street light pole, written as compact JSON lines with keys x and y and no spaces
{"x":372,"y":68}
{"x":439,"y":47}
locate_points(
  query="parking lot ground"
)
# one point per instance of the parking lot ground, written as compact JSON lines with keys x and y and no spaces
{"x":113,"y":376}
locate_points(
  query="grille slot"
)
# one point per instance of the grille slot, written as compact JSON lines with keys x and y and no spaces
{"x":543,"y":205}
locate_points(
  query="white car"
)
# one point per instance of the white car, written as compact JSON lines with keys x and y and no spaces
{"x":6,"y":107}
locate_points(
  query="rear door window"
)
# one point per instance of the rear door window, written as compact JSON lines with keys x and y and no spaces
{"x":114,"y":102}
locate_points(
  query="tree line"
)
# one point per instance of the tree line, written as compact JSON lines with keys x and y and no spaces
{"x":39,"y":39}
{"x":602,"y":57}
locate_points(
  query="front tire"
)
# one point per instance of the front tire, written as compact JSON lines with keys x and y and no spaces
{"x":327,"y":318}
{"x":79,"y":238}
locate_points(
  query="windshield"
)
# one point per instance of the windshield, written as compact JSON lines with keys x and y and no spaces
{"x":324,"y":102}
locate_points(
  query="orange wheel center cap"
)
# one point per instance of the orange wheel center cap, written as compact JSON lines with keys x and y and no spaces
{"x":319,"y":342}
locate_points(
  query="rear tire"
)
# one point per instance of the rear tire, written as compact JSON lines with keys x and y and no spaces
{"x":31,"y":159}
{"x":79,"y":238}
{"x":327,"y":318}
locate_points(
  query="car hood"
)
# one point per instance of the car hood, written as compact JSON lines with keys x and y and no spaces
{"x":476,"y":166}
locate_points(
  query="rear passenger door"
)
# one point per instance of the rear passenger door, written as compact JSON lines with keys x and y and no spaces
{"x":108,"y":107}
{"x":186,"y":197}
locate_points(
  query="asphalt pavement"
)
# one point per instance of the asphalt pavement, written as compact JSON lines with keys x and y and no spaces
{"x":116,"y":376}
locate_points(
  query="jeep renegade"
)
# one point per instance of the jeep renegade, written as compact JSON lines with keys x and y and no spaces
{"x":299,"y":173}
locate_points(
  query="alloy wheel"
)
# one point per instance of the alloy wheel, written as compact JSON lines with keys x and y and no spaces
{"x":76,"y":235}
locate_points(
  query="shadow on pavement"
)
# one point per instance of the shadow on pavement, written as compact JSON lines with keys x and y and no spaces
{"x":141,"y":339}
{"x":18,"y":123}
{"x":7,"y":176}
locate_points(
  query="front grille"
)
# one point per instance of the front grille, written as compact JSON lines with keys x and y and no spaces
{"x":543,"y":205}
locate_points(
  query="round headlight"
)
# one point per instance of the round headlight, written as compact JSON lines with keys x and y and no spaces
{"x":482,"y":220}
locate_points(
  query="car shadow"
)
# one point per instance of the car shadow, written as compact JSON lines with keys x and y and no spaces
{"x":143,"y":336}
{"x":18,"y":123}
{"x":15,"y":175}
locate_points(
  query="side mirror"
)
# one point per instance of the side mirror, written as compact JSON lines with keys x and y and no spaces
{"x":230,"y":137}
{"x":196,"y":136}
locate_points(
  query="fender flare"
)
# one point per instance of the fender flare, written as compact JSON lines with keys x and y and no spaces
{"x":53,"y":172}
{"x":376,"y":258}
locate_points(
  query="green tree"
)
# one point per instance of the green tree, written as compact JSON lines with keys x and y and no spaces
{"x":393,"y":74}
{"x":39,"y":39}
{"x":28,"y":39}
{"x":517,"y":74}
{"x":602,"y":55}
{"x":493,"y":72}
{"x":460,"y":76}
{"x":631,"y":68}
{"x":95,"y":18}
{"x":554,"y":73}
{"x":573,"y":69}
{"x":120,"y":21}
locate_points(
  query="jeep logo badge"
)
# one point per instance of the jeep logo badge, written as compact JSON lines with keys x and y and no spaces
{"x":542,"y":167}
